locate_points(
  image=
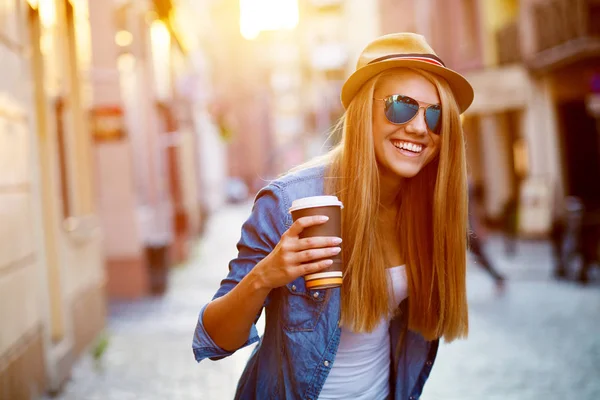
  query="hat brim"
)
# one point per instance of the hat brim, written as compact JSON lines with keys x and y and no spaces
{"x":461,"y":88}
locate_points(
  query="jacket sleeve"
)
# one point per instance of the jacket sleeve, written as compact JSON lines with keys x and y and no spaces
{"x":260,"y":234}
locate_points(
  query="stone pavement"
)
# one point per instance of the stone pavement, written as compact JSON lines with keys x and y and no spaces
{"x":540,"y":340}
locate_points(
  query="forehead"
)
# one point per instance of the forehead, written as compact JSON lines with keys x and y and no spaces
{"x":408,"y":83}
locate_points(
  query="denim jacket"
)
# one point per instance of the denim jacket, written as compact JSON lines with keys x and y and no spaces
{"x":302,"y":332}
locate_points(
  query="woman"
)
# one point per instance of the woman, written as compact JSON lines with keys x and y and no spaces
{"x":400,"y":172}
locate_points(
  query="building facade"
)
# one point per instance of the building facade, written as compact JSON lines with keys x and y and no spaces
{"x":562,"y":49}
{"x":104,"y":111}
{"x":533,"y":133}
{"x":149,"y":172}
{"x":51,"y":264}
{"x":511,"y":128}
{"x":242,"y":104}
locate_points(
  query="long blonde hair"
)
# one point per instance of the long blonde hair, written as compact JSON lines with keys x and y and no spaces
{"x":432,"y":224}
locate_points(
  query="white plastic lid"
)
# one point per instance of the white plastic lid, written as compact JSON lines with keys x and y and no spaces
{"x":315,"y":201}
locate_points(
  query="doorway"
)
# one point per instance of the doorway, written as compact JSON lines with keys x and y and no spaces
{"x":581,"y":151}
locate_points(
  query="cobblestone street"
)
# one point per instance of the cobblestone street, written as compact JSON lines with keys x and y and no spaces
{"x":540,"y":340}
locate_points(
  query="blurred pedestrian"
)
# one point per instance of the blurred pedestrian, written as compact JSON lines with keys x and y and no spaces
{"x":558,"y":231}
{"x":400,"y":172}
{"x":476,"y":237}
{"x":510,"y":226}
{"x":576,"y":234}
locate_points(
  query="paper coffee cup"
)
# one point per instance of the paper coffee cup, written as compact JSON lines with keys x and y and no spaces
{"x":331,"y":207}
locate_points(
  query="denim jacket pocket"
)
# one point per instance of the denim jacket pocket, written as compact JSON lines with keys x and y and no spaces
{"x":301,"y":307}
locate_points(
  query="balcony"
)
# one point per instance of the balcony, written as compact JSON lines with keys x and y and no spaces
{"x":566,"y":31}
{"x":508,"y":44}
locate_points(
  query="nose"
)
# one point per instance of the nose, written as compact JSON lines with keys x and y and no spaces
{"x":417,"y":125}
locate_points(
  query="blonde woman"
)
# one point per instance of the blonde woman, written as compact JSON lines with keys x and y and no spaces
{"x":400,"y":173}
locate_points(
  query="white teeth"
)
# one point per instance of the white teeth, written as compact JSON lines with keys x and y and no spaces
{"x":415,"y":148}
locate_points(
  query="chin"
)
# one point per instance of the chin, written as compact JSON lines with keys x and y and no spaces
{"x":406,"y":171}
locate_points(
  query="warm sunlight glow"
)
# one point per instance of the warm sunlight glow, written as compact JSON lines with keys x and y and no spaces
{"x":123,"y":38}
{"x":160,"y":38}
{"x":47,"y":10}
{"x":267,"y":15}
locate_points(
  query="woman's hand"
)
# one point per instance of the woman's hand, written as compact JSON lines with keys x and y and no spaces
{"x":294,"y":257}
{"x":228,"y":319}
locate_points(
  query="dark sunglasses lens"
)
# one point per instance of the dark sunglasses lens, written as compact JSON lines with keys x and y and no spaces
{"x":400,"y":109}
{"x":433,"y":115}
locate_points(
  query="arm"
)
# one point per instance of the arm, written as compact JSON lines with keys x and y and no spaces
{"x":268,"y":258}
{"x":228,"y":319}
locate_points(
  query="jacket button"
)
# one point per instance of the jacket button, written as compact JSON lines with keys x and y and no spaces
{"x":326,"y":363}
{"x":316,"y":295}
{"x":294,"y":288}
{"x":429,"y":363}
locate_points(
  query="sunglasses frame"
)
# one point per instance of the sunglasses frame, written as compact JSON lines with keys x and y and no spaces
{"x":386,"y":99}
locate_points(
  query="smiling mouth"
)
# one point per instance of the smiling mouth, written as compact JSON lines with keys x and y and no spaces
{"x":408,"y":147}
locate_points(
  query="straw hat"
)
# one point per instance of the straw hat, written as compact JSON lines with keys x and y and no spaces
{"x":404,"y":50}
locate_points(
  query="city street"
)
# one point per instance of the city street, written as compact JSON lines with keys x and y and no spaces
{"x":540,"y":340}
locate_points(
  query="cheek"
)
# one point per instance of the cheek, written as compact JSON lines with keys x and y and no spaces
{"x":436,"y":145}
{"x":379,"y":126}
{"x":378,"y":144}
{"x":380,"y":132}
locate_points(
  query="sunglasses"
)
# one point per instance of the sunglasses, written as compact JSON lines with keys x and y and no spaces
{"x":401,"y":109}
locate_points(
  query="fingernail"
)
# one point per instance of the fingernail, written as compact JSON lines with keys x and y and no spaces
{"x":328,"y":262}
{"x":336,"y":250}
{"x":336,"y":240}
{"x":323,"y":218}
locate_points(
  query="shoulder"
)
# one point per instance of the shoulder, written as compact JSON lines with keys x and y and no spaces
{"x":304,"y":182}
{"x":300,"y":183}
{"x":276,"y":198}
{"x":300,"y":177}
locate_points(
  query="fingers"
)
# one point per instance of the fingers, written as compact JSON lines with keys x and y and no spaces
{"x":302,"y":223}
{"x":297,"y":256}
{"x":311,"y":255}
{"x":311,"y":268}
{"x":314,"y":243}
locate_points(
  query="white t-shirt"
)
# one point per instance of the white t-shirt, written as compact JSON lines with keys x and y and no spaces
{"x":361,"y":369}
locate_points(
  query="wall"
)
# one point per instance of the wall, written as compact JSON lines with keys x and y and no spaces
{"x":21,"y":335}
{"x":115,"y":169}
{"x":458,"y":43}
{"x":360,"y":34}
{"x":495,"y":14}
{"x":50,"y":253}
{"x":398,"y":16}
